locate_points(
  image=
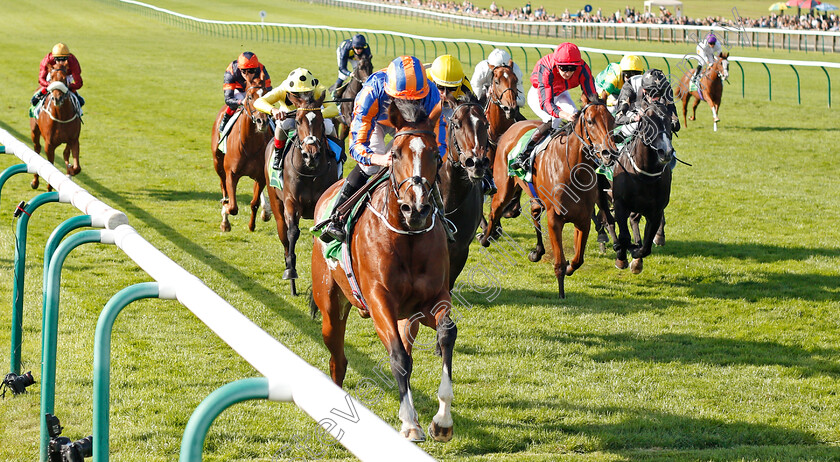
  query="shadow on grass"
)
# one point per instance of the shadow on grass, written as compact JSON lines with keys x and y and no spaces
{"x":170,"y":195}
{"x":763,"y":285}
{"x":20,"y":136}
{"x":787,"y":129}
{"x":575,"y":301}
{"x":761,"y":253}
{"x":692,"y":349}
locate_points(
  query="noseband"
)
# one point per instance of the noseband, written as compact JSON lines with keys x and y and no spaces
{"x":589,"y":147}
{"x":415,"y":180}
{"x":641,"y":136}
{"x":454,"y":141}
{"x":309,"y":140}
{"x":497,"y":98}
{"x":248,"y":108}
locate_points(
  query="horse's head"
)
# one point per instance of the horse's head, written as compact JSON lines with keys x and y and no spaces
{"x":721,"y":66}
{"x":594,"y":127}
{"x":469,"y":140}
{"x":254,"y":91}
{"x":363,"y":69}
{"x":58,"y":87}
{"x":654,"y":131}
{"x":414,"y":160}
{"x":502,"y":91}
{"x":309,"y":123}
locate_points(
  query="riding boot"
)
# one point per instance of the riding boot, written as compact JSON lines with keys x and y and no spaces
{"x":450,"y":233}
{"x":521,"y":160}
{"x":488,"y":184}
{"x":334,"y":230}
{"x":696,"y":77}
{"x":81,"y":100}
{"x":279,"y":147}
{"x":38,"y":96}
{"x":223,"y":122}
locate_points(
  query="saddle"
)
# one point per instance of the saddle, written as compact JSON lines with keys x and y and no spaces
{"x":226,"y":129}
{"x":526,"y":174}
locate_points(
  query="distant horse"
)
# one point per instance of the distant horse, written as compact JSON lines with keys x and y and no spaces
{"x":642,"y":184}
{"x":564,"y":180}
{"x":710,"y":88}
{"x":245,"y":156}
{"x":309,"y":168}
{"x":363,"y":69}
{"x":400,"y":257}
{"x":460,"y":179}
{"x":59,"y":123}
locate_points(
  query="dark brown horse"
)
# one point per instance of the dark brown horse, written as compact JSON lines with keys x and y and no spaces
{"x":642,"y":185}
{"x":309,"y":168}
{"x":460,"y":178}
{"x":363,"y":69}
{"x":59,"y":123}
{"x":564,"y":182}
{"x":401,"y":261}
{"x":710,"y":88}
{"x":245,"y":156}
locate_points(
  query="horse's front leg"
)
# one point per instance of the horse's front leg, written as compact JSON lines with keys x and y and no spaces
{"x":36,"y":146}
{"x":635,"y":218}
{"x":539,"y":250}
{"x":76,"y":168}
{"x":506,"y":191}
{"x":255,"y":204}
{"x":291,"y":216}
{"x":555,"y":234}
{"x":622,"y":243}
{"x":49,"y":150}
{"x":441,"y":427}
{"x":659,"y":239}
{"x":694,"y":108}
{"x":651,"y":226}
{"x":581,"y":235}
{"x":230,"y":207}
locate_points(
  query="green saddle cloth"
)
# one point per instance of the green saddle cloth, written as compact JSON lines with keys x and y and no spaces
{"x":514,"y":153}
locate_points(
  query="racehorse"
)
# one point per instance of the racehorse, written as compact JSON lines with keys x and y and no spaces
{"x":363,"y":69}
{"x":564,"y":181}
{"x":501,"y":109}
{"x":710,"y":88}
{"x":642,"y":184}
{"x":460,"y":178}
{"x":309,"y":168}
{"x":399,"y":253}
{"x":59,"y":123}
{"x":245,"y":156}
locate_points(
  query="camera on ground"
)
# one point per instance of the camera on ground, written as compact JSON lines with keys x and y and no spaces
{"x":17,"y":383}
{"x":61,"y":448}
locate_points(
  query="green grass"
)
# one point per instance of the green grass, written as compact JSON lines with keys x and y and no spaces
{"x":724,"y":348}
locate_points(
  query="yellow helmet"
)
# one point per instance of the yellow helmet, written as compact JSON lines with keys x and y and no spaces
{"x":446,"y":71}
{"x":631,"y":63}
{"x":60,"y":49}
{"x":300,"y":80}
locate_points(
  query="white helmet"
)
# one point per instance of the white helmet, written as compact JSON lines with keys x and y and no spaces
{"x":498,"y":57}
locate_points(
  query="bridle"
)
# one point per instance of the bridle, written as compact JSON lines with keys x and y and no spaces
{"x":358,"y":68}
{"x":248,"y":106}
{"x":589,"y":147}
{"x":497,"y":98}
{"x":65,"y":93}
{"x":306,"y":141}
{"x":455,"y":161}
{"x":640,"y":137}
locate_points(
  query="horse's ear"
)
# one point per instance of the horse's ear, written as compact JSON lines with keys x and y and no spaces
{"x":320,"y":101}
{"x":510,"y":63}
{"x":395,"y":116}
{"x":724,"y":55}
{"x":585,"y":98}
{"x":295,"y":99}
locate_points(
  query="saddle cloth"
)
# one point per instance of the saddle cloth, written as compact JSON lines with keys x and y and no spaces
{"x":527,"y":173}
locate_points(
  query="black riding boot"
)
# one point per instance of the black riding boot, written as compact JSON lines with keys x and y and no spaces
{"x":521,"y":161}
{"x":696,"y":77}
{"x":37,"y":97}
{"x":224,"y":121}
{"x":334,"y":230}
{"x":488,"y":184}
{"x":278,"y":156}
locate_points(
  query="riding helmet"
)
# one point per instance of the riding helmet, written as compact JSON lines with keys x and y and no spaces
{"x":498,"y":57}
{"x":300,"y":80}
{"x":405,"y":78}
{"x":358,"y":41}
{"x":446,"y":71}
{"x":248,"y":60}
{"x":60,"y":50}
{"x":631,"y":63}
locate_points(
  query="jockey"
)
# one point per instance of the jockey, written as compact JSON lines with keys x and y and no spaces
{"x":350,"y":51}
{"x":448,"y":75}
{"x":238,"y":75}
{"x":404,"y":83}
{"x":553,"y":76}
{"x":610,"y":81}
{"x":59,"y":55}
{"x":483,"y":75}
{"x":707,"y":51}
{"x":652,"y":86}
{"x":299,"y":81}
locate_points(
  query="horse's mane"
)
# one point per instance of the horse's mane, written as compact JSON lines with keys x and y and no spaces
{"x":412,"y":111}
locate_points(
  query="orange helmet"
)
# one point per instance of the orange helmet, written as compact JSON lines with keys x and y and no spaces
{"x":405,"y":78}
{"x":248,"y":60}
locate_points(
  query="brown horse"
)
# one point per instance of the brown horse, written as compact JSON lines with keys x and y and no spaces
{"x":363,"y":69}
{"x":460,"y":179}
{"x":642,"y":185}
{"x":400,"y":257}
{"x":710,"y":88}
{"x":501,"y":109}
{"x":309,"y":168}
{"x":59,"y":123}
{"x":245,"y":156}
{"x":564,"y":181}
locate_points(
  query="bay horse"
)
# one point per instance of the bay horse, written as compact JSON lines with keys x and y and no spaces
{"x":642,"y":185}
{"x":710,"y":88}
{"x":500,"y":109}
{"x":461,"y":174}
{"x":564,"y":182}
{"x":400,"y":257}
{"x":59,"y":123}
{"x":245,"y":156}
{"x":363,"y":69}
{"x":309,"y":168}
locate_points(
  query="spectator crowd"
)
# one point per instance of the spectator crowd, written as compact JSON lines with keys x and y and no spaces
{"x":629,"y":15}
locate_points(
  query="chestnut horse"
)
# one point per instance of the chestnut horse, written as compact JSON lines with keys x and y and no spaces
{"x":460,"y":178}
{"x":245,"y":156}
{"x":564,"y":180}
{"x":710,"y":88}
{"x":59,"y":123}
{"x":501,"y":109}
{"x":309,"y":168}
{"x":363,"y":69}
{"x":642,"y":185}
{"x":400,"y":257}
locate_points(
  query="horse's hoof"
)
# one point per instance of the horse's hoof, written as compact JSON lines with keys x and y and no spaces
{"x":442,"y":434}
{"x":717,"y":120}
{"x":290,"y":273}
{"x":34,"y":184}
{"x":414,"y":435}
{"x":620,"y":264}
{"x":603,"y":238}
{"x":482,"y":239}
{"x":659,"y":239}
{"x":691,"y":118}
{"x":636,"y":266}
{"x":225,"y":226}
{"x":77,"y":170}
{"x":535,"y":255}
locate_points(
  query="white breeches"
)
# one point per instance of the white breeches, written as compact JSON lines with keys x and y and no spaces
{"x":378,"y":145}
{"x":563,"y":101}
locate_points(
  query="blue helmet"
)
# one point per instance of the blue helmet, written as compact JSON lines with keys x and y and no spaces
{"x":358,"y":41}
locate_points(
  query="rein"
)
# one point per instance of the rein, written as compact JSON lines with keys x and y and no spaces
{"x":299,"y":144}
{"x":452,"y":140}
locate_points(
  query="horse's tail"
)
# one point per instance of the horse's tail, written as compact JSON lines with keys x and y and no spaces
{"x":313,"y":308}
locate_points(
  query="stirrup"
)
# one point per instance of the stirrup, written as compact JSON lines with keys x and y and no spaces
{"x":333,"y":232}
